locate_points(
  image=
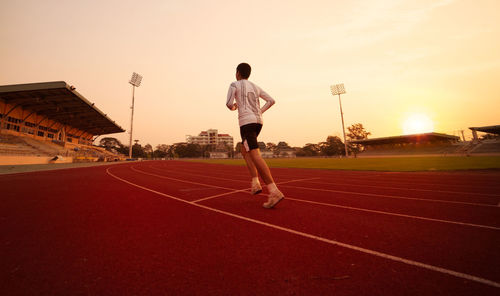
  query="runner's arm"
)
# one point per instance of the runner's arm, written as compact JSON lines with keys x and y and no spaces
{"x":269,"y":101}
{"x":231,"y":94}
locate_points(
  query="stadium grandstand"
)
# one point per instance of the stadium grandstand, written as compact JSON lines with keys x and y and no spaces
{"x":492,"y":129}
{"x":490,"y":144}
{"x":49,"y":121}
{"x":417,"y":144}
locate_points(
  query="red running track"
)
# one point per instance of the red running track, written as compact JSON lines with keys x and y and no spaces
{"x":181,"y":228}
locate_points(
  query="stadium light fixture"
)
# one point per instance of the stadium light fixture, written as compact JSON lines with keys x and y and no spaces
{"x":339,"y":89}
{"x":136,"y":82}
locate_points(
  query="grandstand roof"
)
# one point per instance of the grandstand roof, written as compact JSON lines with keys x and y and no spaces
{"x":60,"y":102}
{"x":492,"y":129}
{"x":427,"y":137}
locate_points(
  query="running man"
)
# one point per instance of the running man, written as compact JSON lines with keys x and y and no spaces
{"x":247,"y":103}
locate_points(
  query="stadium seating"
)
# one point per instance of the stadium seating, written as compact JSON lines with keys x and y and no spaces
{"x":11,"y":145}
{"x":487,"y":147}
{"x":16,"y":149}
{"x":44,"y":147}
{"x":459,"y":148}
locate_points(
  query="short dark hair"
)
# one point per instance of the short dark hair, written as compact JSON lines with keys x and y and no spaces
{"x":244,"y":70}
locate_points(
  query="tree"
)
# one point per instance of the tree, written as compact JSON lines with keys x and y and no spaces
{"x":123,"y":150}
{"x":283,"y":146}
{"x":206,"y":149}
{"x":332,"y":146}
{"x":171,"y":152}
{"x":188,"y":150}
{"x":110,"y":143}
{"x":237,"y":149}
{"x":148,"y":150}
{"x":309,"y":150}
{"x":356,"y":132}
{"x":161,"y":151}
{"x":229,"y":149}
{"x":138,"y":151}
{"x":271,"y":146}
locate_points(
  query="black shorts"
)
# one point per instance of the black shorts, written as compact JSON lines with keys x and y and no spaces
{"x":249,"y":133}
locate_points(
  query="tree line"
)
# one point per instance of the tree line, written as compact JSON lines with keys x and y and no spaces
{"x":178,"y":150}
{"x":333,"y":146}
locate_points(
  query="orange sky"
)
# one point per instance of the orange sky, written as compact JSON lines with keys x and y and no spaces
{"x":396,"y":58}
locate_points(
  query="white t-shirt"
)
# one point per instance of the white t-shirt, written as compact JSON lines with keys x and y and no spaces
{"x":247,"y":96}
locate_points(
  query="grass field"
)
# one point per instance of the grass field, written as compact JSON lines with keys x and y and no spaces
{"x":399,"y":164}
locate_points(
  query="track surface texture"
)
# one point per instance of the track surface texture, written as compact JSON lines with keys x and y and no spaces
{"x":183,"y":228}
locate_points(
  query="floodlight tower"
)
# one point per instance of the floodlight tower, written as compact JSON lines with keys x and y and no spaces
{"x":339,"y":89}
{"x":136,"y":82}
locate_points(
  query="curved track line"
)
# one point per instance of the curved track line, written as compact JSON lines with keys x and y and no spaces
{"x":185,"y":181}
{"x":395,"y":196}
{"x":394,"y":214}
{"x":318,"y":203}
{"x":322,"y":239}
{"x":412,"y":189}
{"x":417,"y":182}
{"x":392,"y":181}
{"x":227,"y":179}
{"x":233,"y":190}
{"x":366,"y":194}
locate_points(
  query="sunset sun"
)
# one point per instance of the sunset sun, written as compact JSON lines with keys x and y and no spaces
{"x":418,"y":123}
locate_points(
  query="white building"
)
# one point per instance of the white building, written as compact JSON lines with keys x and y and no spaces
{"x":211,"y":137}
{"x":218,"y":154}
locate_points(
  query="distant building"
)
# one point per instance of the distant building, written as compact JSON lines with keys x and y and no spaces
{"x":211,"y":137}
{"x":218,"y":154}
{"x":287,"y":153}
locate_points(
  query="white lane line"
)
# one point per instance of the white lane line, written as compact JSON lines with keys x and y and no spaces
{"x":393,"y":214}
{"x":325,"y":240}
{"x":213,"y":186}
{"x":409,"y":189}
{"x":207,"y":185}
{"x":219,"y":195}
{"x":227,"y":179}
{"x":184,"y":181}
{"x":374,"y":194}
{"x":416,"y":182}
{"x":341,"y":206}
{"x":362,"y":210}
{"x":375,"y":180}
{"x":247,"y":189}
{"x":186,"y":172}
{"x":166,"y":169}
{"x":394,"y":196}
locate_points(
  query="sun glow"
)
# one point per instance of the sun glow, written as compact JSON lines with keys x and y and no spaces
{"x":417,"y":124}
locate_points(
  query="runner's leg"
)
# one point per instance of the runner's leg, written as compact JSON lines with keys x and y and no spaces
{"x":250,"y":164}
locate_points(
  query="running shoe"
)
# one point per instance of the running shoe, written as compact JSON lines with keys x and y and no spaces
{"x":274,"y":198}
{"x":256,"y":188}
